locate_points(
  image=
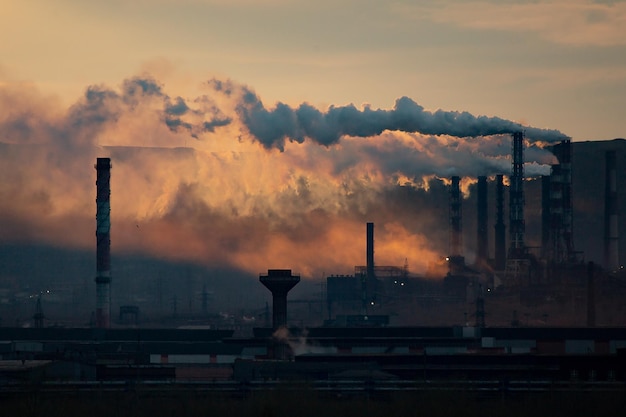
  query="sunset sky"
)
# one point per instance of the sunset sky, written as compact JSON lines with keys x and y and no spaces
{"x":291,"y":119}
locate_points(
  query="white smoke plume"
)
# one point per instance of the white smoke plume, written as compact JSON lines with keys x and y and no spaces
{"x":219,"y":179}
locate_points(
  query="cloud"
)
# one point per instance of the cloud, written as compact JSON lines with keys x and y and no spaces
{"x":568,"y":22}
{"x":273,"y":127}
{"x":221,"y":180}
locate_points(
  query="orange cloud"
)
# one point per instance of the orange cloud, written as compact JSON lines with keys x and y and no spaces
{"x":190,"y":182}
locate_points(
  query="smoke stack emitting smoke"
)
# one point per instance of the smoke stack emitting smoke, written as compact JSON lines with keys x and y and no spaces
{"x":221,"y":200}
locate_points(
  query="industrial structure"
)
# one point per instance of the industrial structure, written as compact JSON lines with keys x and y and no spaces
{"x":482,"y":221}
{"x":357,"y":346}
{"x":456,"y":260}
{"x":611,"y":214}
{"x":103,"y":243}
{"x":500,"y":227}
{"x":557,"y":210}
{"x":518,"y":267}
{"x":279,"y":282}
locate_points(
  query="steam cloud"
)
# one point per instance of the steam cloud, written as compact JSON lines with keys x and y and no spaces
{"x":220,"y":179}
{"x":271,"y":128}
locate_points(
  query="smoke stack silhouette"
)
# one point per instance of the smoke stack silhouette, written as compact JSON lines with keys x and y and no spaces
{"x":546,"y":215}
{"x":481,"y":222}
{"x":369,"y":255}
{"x":516,"y":199}
{"x":500,"y":228}
{"x":611,"y":218}
{"x":103,"y":242}
{"x":456,"y":237}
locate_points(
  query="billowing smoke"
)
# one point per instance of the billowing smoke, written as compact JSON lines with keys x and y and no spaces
{"x":272,"y":127}
{"x":221,"y":180}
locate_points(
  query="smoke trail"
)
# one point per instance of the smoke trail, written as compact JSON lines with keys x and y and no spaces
{"x":218,"y":199}
{"x":273,"y":127}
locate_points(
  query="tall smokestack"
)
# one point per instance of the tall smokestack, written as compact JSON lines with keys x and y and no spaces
{"x":516,"y":199}
{"x":500,"y":228}
{"x":370,"y":251}
{"x":103,"y":243}
{"x":455,"y":218}
{"x":545,"y":216}
{"x":611,"y":218}
{"x":481,"y":222}
{"x":368,"y":282}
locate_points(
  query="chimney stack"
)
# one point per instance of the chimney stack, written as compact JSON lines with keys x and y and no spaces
{"x":370,"y":251}
{"x":516,"y":199}
{"x":500,"y":228}
{"x":103,"y":243}
{"x":456,"y":238}
{"x":482,"y":220}
{"x":546,"y":217}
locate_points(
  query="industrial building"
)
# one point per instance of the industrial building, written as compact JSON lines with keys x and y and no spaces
{"x":472,"y":321}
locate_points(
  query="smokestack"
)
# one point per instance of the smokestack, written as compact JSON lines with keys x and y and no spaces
{"x":370,"y":251}
{"x":516,"y":199}
{"x":481,"y":222}
{"x":545,"y":216}
{"x":500,"y":228}
{"x":103,"y":243}
{"x":455,"y":218}
{"x":611,"y":218}
{"x":368,"y":282}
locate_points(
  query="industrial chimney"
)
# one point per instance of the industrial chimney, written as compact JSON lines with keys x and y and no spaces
{"x":368,"y":282}
{"x":500,"y":228}
{"x":455,"y":218}
{"x":481,"y":222}
{"x":516,"y":199}
{"x":611,"y":218}
{"x":456,"y":261}
{"x":370,"y":251}
{"x":103,"y":243}
{"x":546,"y":217}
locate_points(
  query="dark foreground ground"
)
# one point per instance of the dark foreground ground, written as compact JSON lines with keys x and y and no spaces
{"x":304,"y":402}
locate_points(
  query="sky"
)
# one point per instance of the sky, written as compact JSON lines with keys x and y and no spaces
{"x":289,"y":123}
